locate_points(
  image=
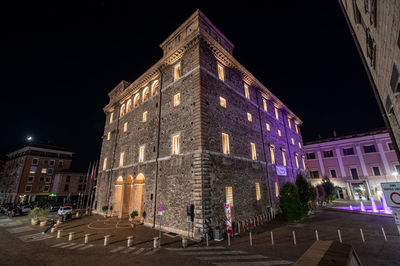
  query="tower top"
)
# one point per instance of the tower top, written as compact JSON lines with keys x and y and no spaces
{"x":197,"y":23}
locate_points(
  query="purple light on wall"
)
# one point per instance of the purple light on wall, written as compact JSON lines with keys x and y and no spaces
{"x":385,"y":206}
{"x":351,"y":208}
{"x":362,"y":206}
{"x":374,"y":209}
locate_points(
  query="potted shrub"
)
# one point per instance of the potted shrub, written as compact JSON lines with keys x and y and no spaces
{"x":133,"y":215}
{"x":42,"y":218}
{"x":105,"y":209}
{"x":33,"y":214}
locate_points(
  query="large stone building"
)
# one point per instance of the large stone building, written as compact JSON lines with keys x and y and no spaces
{"x":357,"y":164}
{"x":29,"y":171}
{"x":196,"y":129}
{"x":375,"y":26}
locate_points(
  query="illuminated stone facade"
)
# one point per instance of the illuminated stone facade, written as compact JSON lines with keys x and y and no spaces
{"x":141,"y":165}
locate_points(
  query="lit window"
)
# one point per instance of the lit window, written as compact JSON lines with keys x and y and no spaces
{"x":105,"y":164}
{"x":221,"y":75}
{"x":276,"y":113}
{"x":108,"y":135}
{"x":177,"y":99}
{"x":297,"y":128}
{"x":246,"y":91}
{"x":268,"y":127}
{"x":128,"y":105}
{"x":253,"y":151}
{"x":125,"y":126}
{"x":141,"y":153}
{"x":154,"y":87}
{"x":32,"y":170}
{"x":304,"y":162}
{"x":225,"y":143}
{"x":289,"y":123}
{"x":121,"y":159}
{"x":299,"y":145}
{"x":292,"y":141}
{"x":279,"y":133}
{"x":276,"y":189}
{"x":44,"y":170}
{"x":145,"y":94}
{"x":265,"y":105}
{"x":222,"y":102}
{"x":258,"y":191}
{"x":144,"y":117}
{"x":136,"y":100}
{"x":111,"y":117}
{"x":175,"y":144}
{"x":249,"y":117}
{"x":284,"y":157}
{"x":229,"y":195}
{"x":122,"y":111}
{"x":297,"y":160}
{"x":177,"y":71}
{"x":272,"y":153}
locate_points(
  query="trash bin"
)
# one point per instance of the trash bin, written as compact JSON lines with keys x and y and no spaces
{"x":218,"y":234}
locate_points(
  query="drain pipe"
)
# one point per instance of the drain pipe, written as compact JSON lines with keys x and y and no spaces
{"x":158,"y":148}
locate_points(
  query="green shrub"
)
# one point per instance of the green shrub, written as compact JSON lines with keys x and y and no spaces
{"x":34,"y":213}
{"x":134,"y":214}
{"x":329,"y":188}
{"x":303,"y":188}
{"x":290,"y":204}
{"x":104,"y":208}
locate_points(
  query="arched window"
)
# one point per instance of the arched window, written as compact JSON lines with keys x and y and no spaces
{"x":154,"y":87}
{"x":129,"y":105}
{"x":136,"y":100}
{"x":145,"y":93}
{"x":122,"y":111}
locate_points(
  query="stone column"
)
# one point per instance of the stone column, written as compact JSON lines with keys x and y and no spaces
{"x":339,"y":157}
{"x":122,"y":201}
{"x":321,"y":163}
{"x":360,"y":157}
{"x":384,"y":159}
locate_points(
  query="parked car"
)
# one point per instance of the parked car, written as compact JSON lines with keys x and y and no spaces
{"x":64,"y":210}
{"x":69,"y":204}
{"x":54,"y":207}
{"x":25,"y":209}
{"x":15,"y":212}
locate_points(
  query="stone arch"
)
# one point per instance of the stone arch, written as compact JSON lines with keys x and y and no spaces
{"x":154,"y":87}
{"x":139,"y":194}
{"x":127,"y":205}
{"x":117,"y":196}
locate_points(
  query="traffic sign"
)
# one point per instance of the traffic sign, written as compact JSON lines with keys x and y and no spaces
{"x":392,"y":193}
{"x":160,"y":207}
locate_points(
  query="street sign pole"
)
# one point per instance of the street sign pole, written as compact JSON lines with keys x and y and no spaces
{"x":160,"y":213}
{"x":391,"y":190}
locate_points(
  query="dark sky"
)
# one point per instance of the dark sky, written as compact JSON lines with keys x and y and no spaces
{"x":59,"y":62}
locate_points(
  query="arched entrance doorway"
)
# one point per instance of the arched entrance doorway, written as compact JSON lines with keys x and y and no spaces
{"x":127,"y":197}
{"x":139,"y":191}
{"x":117,"y":196}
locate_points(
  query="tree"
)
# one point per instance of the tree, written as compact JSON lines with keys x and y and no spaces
{"x":303,"y":188}
{"x":330,"y":191}
{"x":320,"y":192}
{"x":289,"y":202}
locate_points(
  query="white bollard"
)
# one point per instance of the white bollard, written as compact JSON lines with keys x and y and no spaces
{"x":58,"y":221}
{"x":251,"y":240}
{"x":340,"y":236}
{"x":294,"y":238}
{"x":53,"y":229}
{"x":156,"y":241}
{"x":316,"y":235}
{"x":184,"y":242}
{"x":71,"y":236}
{"x":362,"y":235}
{"x":106,"y":240}
{"x":229,"y":239}
{"x":59,"y":233}
{"x":87,"y":238}
{"x":130,"y":241}
{"x":272,"y":238}
{"x":384,"y":235}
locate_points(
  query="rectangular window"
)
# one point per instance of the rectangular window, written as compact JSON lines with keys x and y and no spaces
{"x":141,"y":153}
{"x":246,"y":91}
{"x":297,"y":160}
{"x":348,"y":151}
{"x":144,"y":119}
{"x":225,"y":143}
{"x":35,"y":161}
{"x":51,"y":162}
{"x":177,"y":99}
{"x":258,"y":191}
{"x":60,"y":164}
{"x":41,"y":179}
{"x":299,"y":145}
{"x":390,"y":146}
{"x":177,"y":71}
{"x":376,"y":170}
{"x":265,"y":106}
{"x":328,"y":153}
{"x":333,"y":173}
{"x":108,"y":135}
{"x":111,"y":117}
{"x":30,"y":179}
{"x":284,"y":157}
{"x":221,"y":74}
{"x":28,"y":188}
{"x":50,"y":171}
{"x":354,"y":173}
{"x":105,"y":164}
{"x":272,"y":153}
{"x":68,"y":179}
{"x":276,"y":113}
{"x":369,"y":148}
{"x":394,"y":78}
{"x":314,"y":174}
{"x":289,"y":123}
{"x":253,"y":151}
{"x":222,"y":102}
{"x":397,"y":168}
{"x":229,"y":195}
{"x":121,"y":159}
{"x":48,"y":179}
{"x":33,"y":170}
{"x":175,"y":144}
{"x":279,"y":133}
{"x":44,"y":170}
{"x":297,"y":128}
{"x":66,"y":187}
{"x":292,"y":139}
{"x":268,"y":127}
{"x":304,"y":162}
{"x":125,"y":126}
{"x":276,"y":189}
{"x":46,"y":188}
{"x":249,"y":117}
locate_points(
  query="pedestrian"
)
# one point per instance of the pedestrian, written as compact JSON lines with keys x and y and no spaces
{"x":49,"y":227}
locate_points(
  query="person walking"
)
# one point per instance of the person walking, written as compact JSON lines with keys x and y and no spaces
{"x":52,"y":222}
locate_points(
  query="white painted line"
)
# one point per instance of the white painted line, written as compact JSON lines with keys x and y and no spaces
{"x":117,"y":249}
{"x":86,"y":247}
{"x":59,"y":244}
{"x":138,"y":251}
{"x":206,"y":253}
{"x":20,"y":229}
{"x":151,"y":252}
{"x":195,"y":248}
{"x":5,"y":220}
{"x":243,"y":257}
{"x":34,"y":237}
{"x":77,"y":246}
{"x":10,"y":224}
{"x":68,"y":245}
{"x":128,"y":250}
{"x":246,"y":263}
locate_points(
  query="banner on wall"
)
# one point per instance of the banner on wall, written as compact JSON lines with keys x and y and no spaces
{"x":281,"y":170}
{"x":228,"y":216}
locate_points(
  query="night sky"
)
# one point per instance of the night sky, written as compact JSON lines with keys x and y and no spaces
{"x":59,"y":62}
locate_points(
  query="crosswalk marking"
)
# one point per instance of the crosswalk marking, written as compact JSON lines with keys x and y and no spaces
{"x":245,"y":263}
{"x":68,"y":245}
{"x":86,"y":247}
{"x":20,"y":229}
{"x":34,"y":237}
{"x":117,"y":249}
{"x":77,"y":246}
{"x":194,"y":248}
{"x":200,"y":253}
{"x":240,"y":257}
{"x":9,"y":224}
{"x":138,"y":251}
{"x":5,"y":220}
{"x":128,"y":250}
{"x":151,"y":252}
{"x":59,"y":244}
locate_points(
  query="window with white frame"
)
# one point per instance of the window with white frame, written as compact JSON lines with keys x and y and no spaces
{"x":121,"y":159}
{"x":222,"y":102}
{"x":225,"y":143}
{"x":221,"y":74}
{"x":105,"y":164}
{"x":292,"y":141}
{"x":279,"y":133}
{"x":333,"y":173}
{"x":265,"y":105}
{"x":246,"y":91}
{"x":249,"y":117}
{"x":276,"y":113}
{"x":177,"y":71}
{"x":272,"y":153}
{"x":175,"y":144}
{"x":144,"y":119}
{"x":44,"y":170}
{"x":141,"y":153}
{"x":125,"y":126}
{"x":268,"y":127}
{"x":177,"y":99}
{"x":32,"y":170}
{"x":258,"y":191}
{"x":296,"y":156}
{"x":299,"y":145}
{"x":229,"y":195}
{"x":297,"y":128}
{"x":284,"y":157}
{"x":376,"y":170}
{"x":253,"y":151}
{"x":289,"y":123}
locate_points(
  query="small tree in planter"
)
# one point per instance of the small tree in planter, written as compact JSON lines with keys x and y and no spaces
{"x":105,"y":209}
{"x":289,"y":202}
{"x":33,"y":214}
{"x":133,"y":215}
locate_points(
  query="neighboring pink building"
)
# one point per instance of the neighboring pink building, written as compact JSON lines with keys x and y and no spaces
{"x":356,"y":164}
